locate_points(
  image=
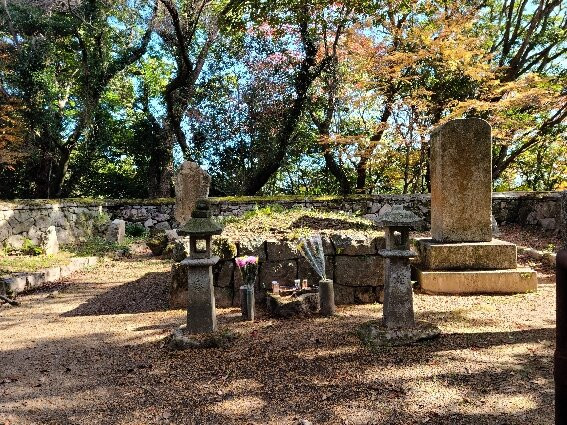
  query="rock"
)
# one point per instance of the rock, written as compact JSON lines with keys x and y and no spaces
{"x":292,"y":306}
{"x":157,"y":243}
{"x":191,"y":183}
{"x":50,"y":243}
{"x":164,"y":225}
{"x":116,"y":231}
{"x":180,"y":249}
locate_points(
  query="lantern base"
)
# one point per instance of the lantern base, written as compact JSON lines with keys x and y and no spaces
{"x":374,"y":334}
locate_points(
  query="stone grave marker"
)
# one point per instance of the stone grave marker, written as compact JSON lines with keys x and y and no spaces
{"x":192,"y":183}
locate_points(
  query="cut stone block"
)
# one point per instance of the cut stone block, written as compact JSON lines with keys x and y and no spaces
{"x":510,"y":281}
{"x":359,"y":271}
{"x":461,"y":181}
{"x":493,"y":255}
{"x":14,"y":283}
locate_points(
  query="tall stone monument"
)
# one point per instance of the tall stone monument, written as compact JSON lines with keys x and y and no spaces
{"x":191,"y":183}
{"x":462,"y":257}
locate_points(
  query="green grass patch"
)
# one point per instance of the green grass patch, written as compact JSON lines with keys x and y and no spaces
{"x":32,"y":263}
{"x":98,"y":247}
{"x":275,"y":221}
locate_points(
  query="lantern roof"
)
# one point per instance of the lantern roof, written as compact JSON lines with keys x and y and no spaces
{"x":200,"y":223}
{"x":399,"y":217}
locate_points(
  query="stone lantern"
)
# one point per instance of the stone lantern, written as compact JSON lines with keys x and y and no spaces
{"x":201,"y":316}
{"x":398,"y":294}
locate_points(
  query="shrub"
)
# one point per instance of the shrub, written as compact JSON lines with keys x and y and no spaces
{"x":135,"y":230}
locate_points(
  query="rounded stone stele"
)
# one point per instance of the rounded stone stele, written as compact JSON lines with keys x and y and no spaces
{"x":374,"y":334}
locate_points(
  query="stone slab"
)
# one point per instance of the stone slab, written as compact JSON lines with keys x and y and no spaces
{"x":493,"y":255}
{"x":359,"y":271}
{"x":461,"y":181}
{"x":511,"y":281}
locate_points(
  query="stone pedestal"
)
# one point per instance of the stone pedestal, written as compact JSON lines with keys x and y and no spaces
{"x":507,"y":281}
{"x":398,"y":293}
{"x":326,"y":297}
{"x":493,"y":255}
{"x":201,"y":315}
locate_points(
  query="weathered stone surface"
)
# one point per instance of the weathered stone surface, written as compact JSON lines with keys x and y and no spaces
{"x":180,"y":249}
{"x":326,"y":298}
{"x":116,"y":231}
{"x":366,"y":294}
{"x":461,"y":181}
{"x":178,"y":286}
{"x":375,"y":335}
{"x":285,"y":272}
{"x":492,"y":255}
{"x":191,"y":183}
{"x":277,"y":250}
{"x":359,"y":271}
{"x":222,"y":272}
{"x":510,"y":281}
{"x":201,"y":314}
{"x":53,"y":274}
{"x":305,"y":271}
{"x":398,"y":294}
{"x":13,"y":284}
{"x":352,"y":245}
{"x":343,"y":294}
{"x":224,"y":297}
{"x":288,"y":306}
{"x":50,"y":243}
{"x":33,"y":280}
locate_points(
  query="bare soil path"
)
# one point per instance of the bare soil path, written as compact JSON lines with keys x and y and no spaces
{"x":93,"y":354}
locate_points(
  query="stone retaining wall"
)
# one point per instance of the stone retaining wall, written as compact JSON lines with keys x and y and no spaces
{"x":77,"y":219}
{"x":352,"y":262}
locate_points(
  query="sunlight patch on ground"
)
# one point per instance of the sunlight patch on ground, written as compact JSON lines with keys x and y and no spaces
{"x":238,"y":406}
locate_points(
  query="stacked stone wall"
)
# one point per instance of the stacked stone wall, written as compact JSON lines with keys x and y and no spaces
{"x":76,"y":219}
{"x":351,"y":262}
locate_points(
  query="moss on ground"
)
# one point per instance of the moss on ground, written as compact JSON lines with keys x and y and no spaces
{"x":275,"y":222}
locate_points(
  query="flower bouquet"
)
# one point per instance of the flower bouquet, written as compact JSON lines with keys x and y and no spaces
{"x":248,"y":267}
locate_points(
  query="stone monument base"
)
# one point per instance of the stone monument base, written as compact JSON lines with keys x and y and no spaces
{"x":493,"y":255}
{"x":508,"y":281}
{"x":374,"y":334}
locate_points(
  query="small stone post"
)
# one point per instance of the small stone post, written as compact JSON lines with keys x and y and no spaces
{"x":398,"y":293}
{"x":201,"y":315}
{"x":326,"y":297}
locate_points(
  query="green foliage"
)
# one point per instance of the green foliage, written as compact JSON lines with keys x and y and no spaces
{"x":29,"y":248}
{"x":97,"y":246}
{"x":136,"y":230}
{"x":31,"y":263}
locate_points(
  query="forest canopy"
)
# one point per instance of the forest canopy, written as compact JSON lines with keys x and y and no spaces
{"x":105,"y":98}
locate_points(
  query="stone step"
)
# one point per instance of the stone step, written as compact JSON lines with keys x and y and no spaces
{"x":510,"y":281}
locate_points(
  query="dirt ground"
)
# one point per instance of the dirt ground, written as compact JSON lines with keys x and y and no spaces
{"x":91,"y":351}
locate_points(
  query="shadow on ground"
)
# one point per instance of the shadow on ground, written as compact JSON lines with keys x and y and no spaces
{"x":149,"y":293}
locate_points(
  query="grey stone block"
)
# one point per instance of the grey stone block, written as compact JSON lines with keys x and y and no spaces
{"x":359,"y":271}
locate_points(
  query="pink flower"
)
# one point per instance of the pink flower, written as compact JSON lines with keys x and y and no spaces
{"x":244,"y":261}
